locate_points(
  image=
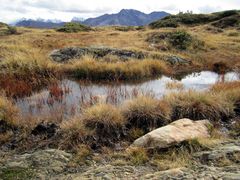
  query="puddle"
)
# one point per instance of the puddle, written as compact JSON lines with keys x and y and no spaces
{"x":66,"y":98}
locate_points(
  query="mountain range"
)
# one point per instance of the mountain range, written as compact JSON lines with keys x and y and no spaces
{"x":126,"y":17}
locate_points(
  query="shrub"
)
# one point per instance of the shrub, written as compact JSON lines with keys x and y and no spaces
{"x":226,"y":17}
{"x":232,"y":21}
{"x":12,"y":30}
{"x":146,"y":113}
{"x":171,"y":22}
{"x":220,"y":67}
{"x":105,"y":121}
{"x":73,"y":28}
{"x":180,"y":39}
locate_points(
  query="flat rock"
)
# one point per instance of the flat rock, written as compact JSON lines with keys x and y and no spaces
{"x":41,"y":162}
{"x":223,"y":154}
{"x":66,"y":54}
{"x":174,"y":133}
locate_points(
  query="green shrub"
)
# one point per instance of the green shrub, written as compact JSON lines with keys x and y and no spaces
{"x":73,"y":28}
{"x":229,"y":17}
{"x":232,"y":21}
{"x":12,"y":30}
{"x":180,"y":39}
{"x":171,"y":22}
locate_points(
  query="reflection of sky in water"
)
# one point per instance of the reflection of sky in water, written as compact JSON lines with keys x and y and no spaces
{"x":79,"y":91}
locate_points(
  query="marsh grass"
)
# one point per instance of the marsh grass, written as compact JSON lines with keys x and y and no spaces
{"x":146,"y":113}
{"x":106,"y":121}
{"x":92,"y":69}
{"x":8,"y":112}
{"x":200,"y":105}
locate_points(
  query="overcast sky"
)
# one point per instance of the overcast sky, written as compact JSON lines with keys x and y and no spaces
{"x":11,"y":10}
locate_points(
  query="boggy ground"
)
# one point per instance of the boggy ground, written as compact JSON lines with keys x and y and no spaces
{"x":25,"y":56}
{"x":94,"y":143}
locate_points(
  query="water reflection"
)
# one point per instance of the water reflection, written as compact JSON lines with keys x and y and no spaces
{"x":68,"y":96}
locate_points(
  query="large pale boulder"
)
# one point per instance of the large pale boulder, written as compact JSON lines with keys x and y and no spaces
{"x":174,"y":133}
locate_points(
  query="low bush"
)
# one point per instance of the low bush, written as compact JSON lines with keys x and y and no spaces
{"x":180,"y":39}
{"x":12,"y":30}
{"x":146,"y":113}
{"x":73,"y":27}
{"x":170,"y":22}
{"x":232,"y":21}
{"x":224,"y":19}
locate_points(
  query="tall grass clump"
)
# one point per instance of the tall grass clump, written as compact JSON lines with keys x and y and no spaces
{"x":146,"y":113}
{"x":200,"y":105}
{"x":92,"y":69}
{"x":106,"y":122}
{"x":8,"y":112}
{"x":19,"y":78}
{"x":73,"y":133}
{"x":230,"y":90}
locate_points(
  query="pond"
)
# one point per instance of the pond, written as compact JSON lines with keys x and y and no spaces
{"x":66,"y":97}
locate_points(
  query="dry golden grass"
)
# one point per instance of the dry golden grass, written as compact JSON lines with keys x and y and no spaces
{"x":174,"y":85}
{"x":92,"y":69}
{"x":8,"y":111}
{"x":200,"y":105}
{"x":146,"y":113}
{"x":34,"y":45}
{"x":104,"y":114}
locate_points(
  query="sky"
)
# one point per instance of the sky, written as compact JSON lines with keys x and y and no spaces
{"x":65,"y":10}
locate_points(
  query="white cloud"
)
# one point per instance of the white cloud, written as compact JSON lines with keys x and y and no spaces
{"x":66,"y":9}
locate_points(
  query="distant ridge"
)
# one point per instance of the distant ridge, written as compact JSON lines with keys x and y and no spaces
{"x":126,"y":17}
{"x":40,"y":23}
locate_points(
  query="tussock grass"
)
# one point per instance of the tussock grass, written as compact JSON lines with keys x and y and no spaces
{"x":73,"y":132}
{"x":8,"y":111}
{"x":20,"y":77}
{"x":105,"y":120}
{"x":200,"y":105}
{"x":146,"y":113}
{"x":89,"y":68}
